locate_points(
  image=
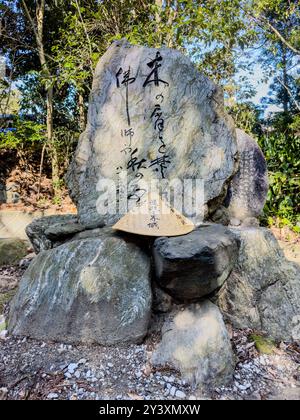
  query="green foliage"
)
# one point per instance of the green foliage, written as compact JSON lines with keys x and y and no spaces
{"x":280,"y":142}
{"x":28,"y":135}
{"x":246,"y":116}
{"x":264,"y":345}
{"x":282,"y":152}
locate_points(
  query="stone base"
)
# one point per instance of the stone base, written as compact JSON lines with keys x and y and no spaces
{"x":94,"y":290}
{"x":195,"y":342}
{"x":192,"y":266}
{"x":263,"y":290}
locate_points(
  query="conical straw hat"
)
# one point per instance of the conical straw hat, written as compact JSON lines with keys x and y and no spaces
{"x":154,"y":217}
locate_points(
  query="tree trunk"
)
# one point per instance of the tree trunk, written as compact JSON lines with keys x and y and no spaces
{"x":285,"y":98}
{"x":172,"y":9}
{"x":51,"y":142}
{"x":159,"y":5}
{"x":38,"y":30}
{"x":82,"y":121}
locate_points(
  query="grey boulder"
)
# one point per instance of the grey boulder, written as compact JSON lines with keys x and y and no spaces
{"x":94,"y":290}
{"x":247,"y":192}
{"x":51,"y":231}
{"x":195,"y":342}
{"x":263,"y":290}
{"x":12,"y":250}
{"x":194,"y":265}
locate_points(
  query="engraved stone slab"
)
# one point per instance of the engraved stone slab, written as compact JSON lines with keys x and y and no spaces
{"x":152,"y":115}
{"x":248,"y":189}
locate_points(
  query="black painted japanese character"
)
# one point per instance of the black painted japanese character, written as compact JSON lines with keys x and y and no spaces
{"x":155,"y":65}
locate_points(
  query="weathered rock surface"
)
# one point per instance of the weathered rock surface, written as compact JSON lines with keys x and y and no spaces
{"x":195,"y":341}
{"x":51,"y":231}
{"x":12,"y":251}
{"x":263,"y":290}
{"x":248,"y":189}
{"x":192,"y":266}
{"x":151,"y":115}
{"x":12,"y":193}
{"x":94,"y":290}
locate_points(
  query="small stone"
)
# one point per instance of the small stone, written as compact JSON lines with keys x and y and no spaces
{"x":3,"y":335}
{"x":173,"y":391}
{"x":110,"y":365}
{"x":52,"y":396}
{"x":25,"y":262}
{"x":63,"y":366}
{"x":82,"y":361}
{"x":77,"y":374}
{"x":234,"y":222}
{"x":72,"y":367}
{"x":3,"y":393}
{"x":180,"y":394}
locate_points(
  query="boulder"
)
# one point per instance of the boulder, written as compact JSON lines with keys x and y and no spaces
{"x":194,"y":265}
{"x":94,"y":290}
{"x":263,"y":290}
{"x":247,"y":192}
{"x":12,"y":251}
{"x":51,"y":231}
{"x":152,"y":116}
{"x":195,"y":342}
{"x":162,"y":302}
{"x":12,"y":193}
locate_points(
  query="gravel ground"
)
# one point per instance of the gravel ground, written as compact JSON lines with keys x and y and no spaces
{"x":35,"y":370}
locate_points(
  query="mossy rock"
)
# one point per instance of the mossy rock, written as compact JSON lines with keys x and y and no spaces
{"x":12,"y":251}
{"x":263,"y":345}
{"x":2,"y":323}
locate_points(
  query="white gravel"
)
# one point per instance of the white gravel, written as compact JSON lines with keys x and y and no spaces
{"x":33,"y":370}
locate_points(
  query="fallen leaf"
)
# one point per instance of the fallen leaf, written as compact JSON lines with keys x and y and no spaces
{"x":135,"y":396}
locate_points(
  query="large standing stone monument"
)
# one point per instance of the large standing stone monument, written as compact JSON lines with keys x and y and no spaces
{"x":152,"y":115}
